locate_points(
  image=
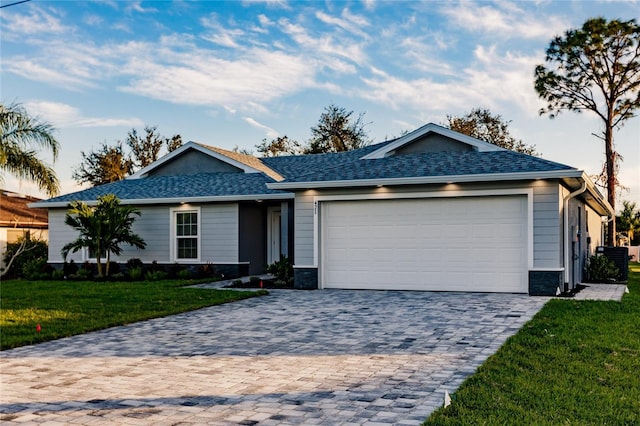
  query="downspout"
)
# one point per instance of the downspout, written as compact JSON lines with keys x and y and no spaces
{"x":574,"y":194}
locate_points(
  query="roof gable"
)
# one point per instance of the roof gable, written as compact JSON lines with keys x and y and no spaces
{"x":432,"y":138}
{"x":236,"y":161}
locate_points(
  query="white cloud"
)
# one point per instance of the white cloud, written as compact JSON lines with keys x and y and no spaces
{"x":37,"y":21}
{"x":271,"y":133}
{"x":61,"y":115}
{"x":200,"y":77}
{"x":504,"y":19}
{"x":136,"y":6}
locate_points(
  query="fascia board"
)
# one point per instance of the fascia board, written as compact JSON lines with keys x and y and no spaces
{"x":426,"y":180}
{"x":147,"y":201}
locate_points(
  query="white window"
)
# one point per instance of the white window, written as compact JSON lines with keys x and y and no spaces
{"x":186,"y":234}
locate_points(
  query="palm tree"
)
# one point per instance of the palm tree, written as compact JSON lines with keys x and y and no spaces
{"x":103,"y":229}
{"x":629,"y":220}
{"x":18,"y":133}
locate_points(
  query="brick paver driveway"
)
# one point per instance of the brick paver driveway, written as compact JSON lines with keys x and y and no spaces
{"x":293,"y":357}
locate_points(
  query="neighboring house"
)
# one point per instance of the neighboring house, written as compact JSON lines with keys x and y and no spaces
{"x":17,"y":219}
{"x":431,"y":210}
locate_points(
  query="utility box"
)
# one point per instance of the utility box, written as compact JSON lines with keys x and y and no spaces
{"x":619,"y":256}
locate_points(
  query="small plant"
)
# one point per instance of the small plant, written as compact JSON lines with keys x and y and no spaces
{"x":135,"y":273}
{"x":118,"y":276}
{"x":84,"y":274}
{"x":282,"y":269}
{"x":207,"y":270}
{"x":253,"y":279}
{"x":184,"y":274}
{"x":602,"y":269}
{"x":58,"y":274}
{"x":236,"y":282}
{"x":156,"y":275}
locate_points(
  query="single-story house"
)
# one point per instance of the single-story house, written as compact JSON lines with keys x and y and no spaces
{"x":431,"y":210}
{"x":18,"y":220}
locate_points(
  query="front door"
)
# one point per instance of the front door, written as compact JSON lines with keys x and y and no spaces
{"x":273,"y":234}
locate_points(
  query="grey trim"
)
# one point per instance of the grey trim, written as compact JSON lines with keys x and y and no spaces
{"x":211,"y":199}
{"x":554,"y":174}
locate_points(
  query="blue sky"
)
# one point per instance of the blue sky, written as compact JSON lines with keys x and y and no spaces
{"x":233,"y":73}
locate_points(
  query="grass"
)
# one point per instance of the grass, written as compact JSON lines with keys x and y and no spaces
{"x":66,"y":308}
{"x":574,"y":363}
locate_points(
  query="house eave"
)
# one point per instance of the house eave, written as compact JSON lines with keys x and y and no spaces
{"x":418,"y":180}
{"x":176,"y":200}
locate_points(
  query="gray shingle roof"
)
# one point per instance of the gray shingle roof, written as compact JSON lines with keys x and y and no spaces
{"x":344,"y":166}
{"x":427,"y":164}
{"x":167,"y":187}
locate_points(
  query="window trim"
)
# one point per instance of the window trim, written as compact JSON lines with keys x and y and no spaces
{"x":173,"y":237}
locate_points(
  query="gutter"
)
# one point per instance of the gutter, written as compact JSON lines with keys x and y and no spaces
{"x":566,"y":200}
{"x":174,"y":200}
{"x":558,"y":174}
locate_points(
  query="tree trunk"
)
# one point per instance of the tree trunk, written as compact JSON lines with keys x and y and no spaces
{"x":611,"y":179}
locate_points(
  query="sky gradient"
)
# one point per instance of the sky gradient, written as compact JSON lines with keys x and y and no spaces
{"x":234,"y":73}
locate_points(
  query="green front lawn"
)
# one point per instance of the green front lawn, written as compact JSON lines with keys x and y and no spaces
{"x":66,"y":308}
{"x":574,"y":363}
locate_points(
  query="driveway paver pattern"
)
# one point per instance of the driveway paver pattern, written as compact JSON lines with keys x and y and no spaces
{"x":292,"y":357}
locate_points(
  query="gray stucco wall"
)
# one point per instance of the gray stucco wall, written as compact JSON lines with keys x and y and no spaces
{"x":547,"y":249}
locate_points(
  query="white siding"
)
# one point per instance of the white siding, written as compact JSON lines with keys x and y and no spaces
{"x":59,"y":235}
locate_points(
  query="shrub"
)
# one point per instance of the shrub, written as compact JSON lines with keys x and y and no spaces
{"x":254,"y":279}
{"x":37,"y":269}
{"x":70,"y":268}
{"x":134,"y":263}
{"x":601,"y":269}
{"x":135,"y":273}
{"x":282,"y":269}
{"x":118,"y":276}
{"x":114,"y":268}
{"x":58,"y":274}
{"x":207,"y":270}
{"x":155,"y":275}
{"x":33,"y":249}
{"x":184,"y":274}
{"x":84,"y":274}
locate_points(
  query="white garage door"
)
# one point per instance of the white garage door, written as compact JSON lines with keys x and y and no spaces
{"x":439,"y":244}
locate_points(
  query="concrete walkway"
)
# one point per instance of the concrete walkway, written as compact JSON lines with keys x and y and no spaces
{"x":601,"y":292}
{"x":292,"y":357}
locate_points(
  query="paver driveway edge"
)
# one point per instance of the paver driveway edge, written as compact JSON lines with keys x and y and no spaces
{"x":292,"y":357}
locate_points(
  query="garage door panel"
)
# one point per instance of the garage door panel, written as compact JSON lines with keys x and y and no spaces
{"x":464,"y":244}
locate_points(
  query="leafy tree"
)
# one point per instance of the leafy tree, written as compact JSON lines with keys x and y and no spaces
{"x":112,"y":163}
{"x":146,"y":149}
{"x":481,"y":124}
{"x":18,"y":134}
{"x":629,"y":220}
{"x":281,"y":145}
{"x":103,"y":229}
{"x":337,"y":131}
{"x":19,"y":253}
{"x":105,"y":165}
{"x":595,"y":68}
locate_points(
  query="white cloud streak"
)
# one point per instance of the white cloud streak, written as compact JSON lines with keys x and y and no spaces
{"x":61,"y":115}
{"x":271,"y":133}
